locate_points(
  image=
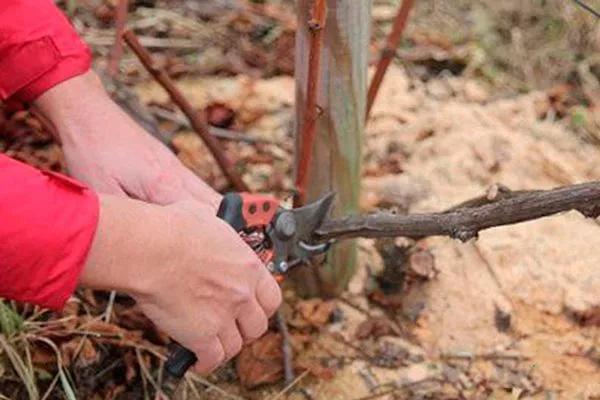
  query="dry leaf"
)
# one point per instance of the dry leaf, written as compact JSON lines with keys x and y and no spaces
{"x":421,"y":264}
{"x":219,"y":115}
{"x":260,"y":362}
{"x":130,"y":360}
{"x":70,"y":311}
{"x":315,"y":368}
{"x":43,"y":356}
{"x":392,"y":301}
{"x":313,"y":313}
{"x":374,"y":327}
{"x":79,"y":350}
{"x":135,"y":320}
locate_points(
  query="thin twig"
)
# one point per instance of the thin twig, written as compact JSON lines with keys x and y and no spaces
{"x":147,"y":41}
{"x":290,"y":385}
{"x":368,"y":378}
{"x":490,"y":355}
{"x":147,"y":373}
{"x":116,"y":51}
{"x":217,"y":132}
{"x":51,"y":387}
{"x":588,"y":8}
{"x":109,"y":307}
{"x":465,"y":223}
{"x":388,"y":53}
{"x":286,"y":349}
{"x":315,"y":26}
{"x":199,"y":126}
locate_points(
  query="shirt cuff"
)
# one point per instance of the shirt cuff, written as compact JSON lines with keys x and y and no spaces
{"x":49,"y":222}
{"x":39,"y":49}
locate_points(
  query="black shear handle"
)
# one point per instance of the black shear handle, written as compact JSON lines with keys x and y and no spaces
{"x":181,"y":359}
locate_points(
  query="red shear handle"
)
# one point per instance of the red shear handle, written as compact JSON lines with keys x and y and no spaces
{"x":245,"y":210}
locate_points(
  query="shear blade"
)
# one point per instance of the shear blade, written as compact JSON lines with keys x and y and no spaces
{"x":308,"y":219}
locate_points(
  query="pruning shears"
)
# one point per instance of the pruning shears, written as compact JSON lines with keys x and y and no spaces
{"x":281,"y":237}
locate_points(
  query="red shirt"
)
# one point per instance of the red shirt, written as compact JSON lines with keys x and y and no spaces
{"x":47,"y":220}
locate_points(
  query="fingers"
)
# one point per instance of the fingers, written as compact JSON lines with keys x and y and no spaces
{"x":252,"y":322}
{"x":231,"y":340}
{"x":209,"y":356}
{"x":268,"y":295}
{"x":201,"y":191}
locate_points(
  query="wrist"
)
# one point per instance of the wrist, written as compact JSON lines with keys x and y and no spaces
{"x":69,"y":104}
{"x":132,"y":238}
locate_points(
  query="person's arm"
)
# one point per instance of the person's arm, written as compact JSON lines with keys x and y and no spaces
{"x":45,"y":63}
{"x":189,"y":271}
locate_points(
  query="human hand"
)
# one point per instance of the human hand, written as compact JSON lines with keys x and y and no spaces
{"x":188,"y":270}
{"x":110,"y":152}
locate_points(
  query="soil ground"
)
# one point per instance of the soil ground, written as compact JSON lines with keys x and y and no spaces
{"x":511,"y":315}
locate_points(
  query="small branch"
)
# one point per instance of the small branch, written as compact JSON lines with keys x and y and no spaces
{"x":216,"y":132}
{"x":315,"y":28}
{"x":116,"y":51}
{"x":290,"y":386}
{"x":466,"y":222}
{"x":588,"y":8}
{"x":388,"y":52}
{"x":199,"y":126}
{"x":286,"y":349}
{"x":490,"y":355}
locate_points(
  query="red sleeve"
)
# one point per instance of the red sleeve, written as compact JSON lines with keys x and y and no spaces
{"x":38,"y":49}
{"x":47,"y":224}
{"x":47,"y":221}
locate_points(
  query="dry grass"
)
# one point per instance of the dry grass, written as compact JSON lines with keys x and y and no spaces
{"x":514,"y":44}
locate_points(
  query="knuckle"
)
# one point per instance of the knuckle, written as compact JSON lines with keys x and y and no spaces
{"x":233,"y":347}
{"x":210,"y":360}
{"x":260,"y":327}
{"x":240,"y":293}
{"x":272,"y":298}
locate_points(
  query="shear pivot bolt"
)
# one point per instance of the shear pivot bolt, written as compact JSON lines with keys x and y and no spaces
{"x":285,"y":226}
{"x":283,"y":267}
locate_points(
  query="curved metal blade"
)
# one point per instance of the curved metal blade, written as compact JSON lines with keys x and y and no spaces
{"x":295,"y":247}
{"x":309,"y":217}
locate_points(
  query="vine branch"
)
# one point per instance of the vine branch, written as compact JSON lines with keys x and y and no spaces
{"x":199,"y":126}
{"x":464,"y":222}
{"x":315,"y":27}
{"x":388,"y":53}
{"x":116,"y":51}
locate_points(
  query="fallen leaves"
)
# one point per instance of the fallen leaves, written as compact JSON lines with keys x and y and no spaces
{"x":374,"y":327}
{"x":79,"y":353}
{"x":219,"y":115}
{"x":312,"y":313}
{"x":261,"y":362}
{"x":315,"y":368}
{"x":422,"y":265}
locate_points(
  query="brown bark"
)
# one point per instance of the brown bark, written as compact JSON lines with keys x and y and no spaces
{"x":467,"y":220}
{"x":116,"y":52}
